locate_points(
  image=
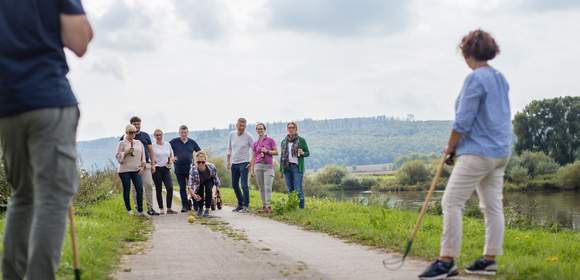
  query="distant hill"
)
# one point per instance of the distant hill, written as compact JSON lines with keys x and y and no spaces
{"x":349,"y":141}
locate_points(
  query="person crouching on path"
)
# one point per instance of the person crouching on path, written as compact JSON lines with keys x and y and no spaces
{"x":202,"y":178}
{"x":164,"y":155}
{"x":481,"y":139}
{"x":131,"y":158}
{"x":294,"y":150}
{"x":262,"y":165}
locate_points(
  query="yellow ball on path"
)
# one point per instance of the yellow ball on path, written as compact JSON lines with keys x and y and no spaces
{"x":191,"y":219}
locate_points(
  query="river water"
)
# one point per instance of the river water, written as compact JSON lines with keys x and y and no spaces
{"x":540,"y":208}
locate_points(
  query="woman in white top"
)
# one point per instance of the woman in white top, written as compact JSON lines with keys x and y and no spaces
{"x":131,"y":158}
{"x":162,"y":175}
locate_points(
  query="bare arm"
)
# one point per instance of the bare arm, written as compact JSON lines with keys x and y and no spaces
{"x":453,"y":139}
{"x":76,"y":33}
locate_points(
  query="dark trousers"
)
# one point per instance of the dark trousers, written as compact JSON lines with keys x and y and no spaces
{"x":240,"y":173}
{"x":206,"y":192}
{"x":294,"y":178}
{"x":160,"y":177}
{"x":182,"y":181}
{"x":126,"y":178}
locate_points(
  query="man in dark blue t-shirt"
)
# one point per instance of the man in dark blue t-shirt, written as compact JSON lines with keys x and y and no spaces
{"x":183,"y":149}
{"x":38,"y":124}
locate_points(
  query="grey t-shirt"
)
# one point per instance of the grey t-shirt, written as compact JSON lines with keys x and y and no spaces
{"x":239,"y":147}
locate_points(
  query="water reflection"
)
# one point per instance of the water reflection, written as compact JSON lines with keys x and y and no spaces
{"x":561,"y":209}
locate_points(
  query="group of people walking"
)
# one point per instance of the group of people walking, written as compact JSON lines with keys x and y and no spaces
{"x":147,"y":165}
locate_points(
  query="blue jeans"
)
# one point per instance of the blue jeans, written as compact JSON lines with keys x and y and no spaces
{"x":182,"y":181}
{"x":293,"y":178}
{"x":126,"y":178}
{"x":240,"y":172}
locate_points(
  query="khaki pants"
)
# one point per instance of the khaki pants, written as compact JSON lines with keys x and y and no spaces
{"x":485,"y":176}
{"x":148,"y":186}
{"x":264,"y":179}
{"x":39,"y":152}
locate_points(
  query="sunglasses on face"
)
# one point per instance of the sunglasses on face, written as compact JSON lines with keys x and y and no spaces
{"x":157,"y":135}
{"x":201,"y":162}
{"x":131,"y":132}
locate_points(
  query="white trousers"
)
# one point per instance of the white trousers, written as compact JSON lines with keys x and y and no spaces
{"x":485,"y":176}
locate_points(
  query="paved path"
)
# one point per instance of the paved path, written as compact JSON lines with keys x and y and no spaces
{"x":243,"y":246}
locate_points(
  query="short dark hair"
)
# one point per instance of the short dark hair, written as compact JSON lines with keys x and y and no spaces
{"x":480,"y":45}
{"x":134,"y":119}
{"x":262,"y":124}
{"x":292,"y":123}
{"x":183,"y":127}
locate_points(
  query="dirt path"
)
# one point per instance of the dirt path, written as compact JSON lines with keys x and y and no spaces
{"x":243,"y":246}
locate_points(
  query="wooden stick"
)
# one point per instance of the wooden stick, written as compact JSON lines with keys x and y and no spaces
{"x":428,"y":198}
{"x":73,"y":237}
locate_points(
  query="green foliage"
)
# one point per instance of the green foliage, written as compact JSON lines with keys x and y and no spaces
{"x":351,"y":182}
{"x":551,"y":126}
{"x":4,"y":188}
{"x":426,"y":157}
{"x":286,"y":204}
{"x":331,"y":174}
{"x":538,"y":163}
{"x":222,"y":170}
{"x":569,"y":176}
{"x":96,"y":187}
{"x":518,"y":175}
{"x":413,"y":172}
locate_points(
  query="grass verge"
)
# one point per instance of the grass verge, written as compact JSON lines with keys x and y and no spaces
{"x":529,"y":254}
{"x":102,"y":230}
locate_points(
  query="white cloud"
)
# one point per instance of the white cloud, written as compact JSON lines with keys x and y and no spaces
{"x":209,"y":62}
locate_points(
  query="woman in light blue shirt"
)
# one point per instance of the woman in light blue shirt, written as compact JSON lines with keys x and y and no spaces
{"x":481,"y":140}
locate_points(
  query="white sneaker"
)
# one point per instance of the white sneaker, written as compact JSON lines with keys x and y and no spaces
{"x":140,"y":214}
{"x":130,"y":212}
{"x":162,"y":212}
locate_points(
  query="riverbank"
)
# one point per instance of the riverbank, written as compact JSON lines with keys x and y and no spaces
{"x":104,"y":233}
{"x":529,"y":254}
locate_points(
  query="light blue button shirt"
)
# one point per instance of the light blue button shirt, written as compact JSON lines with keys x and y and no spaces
{"x":483,"y":116}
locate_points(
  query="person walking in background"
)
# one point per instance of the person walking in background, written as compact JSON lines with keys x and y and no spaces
{"x":183,"y":149}
{"x":147,"y":175}
{"x":203,"y":177}
{"x":164,"y":156}
{"x":238,"y":161}
{"x":262,"y":165}
{"x":481,"y":139}
{"x":131,"y":157}
{"x":294,"y":150}
{"x":38,"y":126}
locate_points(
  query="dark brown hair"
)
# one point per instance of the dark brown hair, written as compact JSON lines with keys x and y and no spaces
{"x":292,"y":123}
{"x":134,"y":119}
{"x":479,"y":45}
{"x":262,"y":124}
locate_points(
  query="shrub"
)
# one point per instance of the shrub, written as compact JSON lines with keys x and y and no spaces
{"x":569,"y":176}
{"x":413,"y":172}
{"x":356,"y":183}
{"x":285,"y":204}
{"x":331,"y":174}
{"x":222,"y":170}
{"x":538,"y":163}
{"x":96,"y":187}
{"x":518,"y":174}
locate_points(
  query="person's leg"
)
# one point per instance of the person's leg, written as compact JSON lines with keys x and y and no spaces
{"x":298,"y":185}
{"x":126,"y":182}
{"x":244,"y":182}
{"x":268,"y":180}
{"x":158,"y":181}
{"x":166,"y":178}
{"x":289,"y":178}
{"x":490,"y":194}
{"x":182,"y":181}
{"x":148,"y":186}
{"x":20,"y":206}
{"x":52,"y":144}
{"x":138,"y":183}
{"x":199,"y":204}
{"x":207,"y":195}
{"x":466,"y":176}
{"x":259,"y":171}
{"x":235,"y":170}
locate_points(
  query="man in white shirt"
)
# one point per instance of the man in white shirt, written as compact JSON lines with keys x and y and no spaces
{"x":239,"y":145}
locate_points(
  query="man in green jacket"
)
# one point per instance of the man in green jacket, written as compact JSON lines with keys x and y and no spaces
{"x":294,"y":150}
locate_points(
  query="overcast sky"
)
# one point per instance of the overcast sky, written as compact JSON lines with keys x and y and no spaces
{"x":206,"y":62}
